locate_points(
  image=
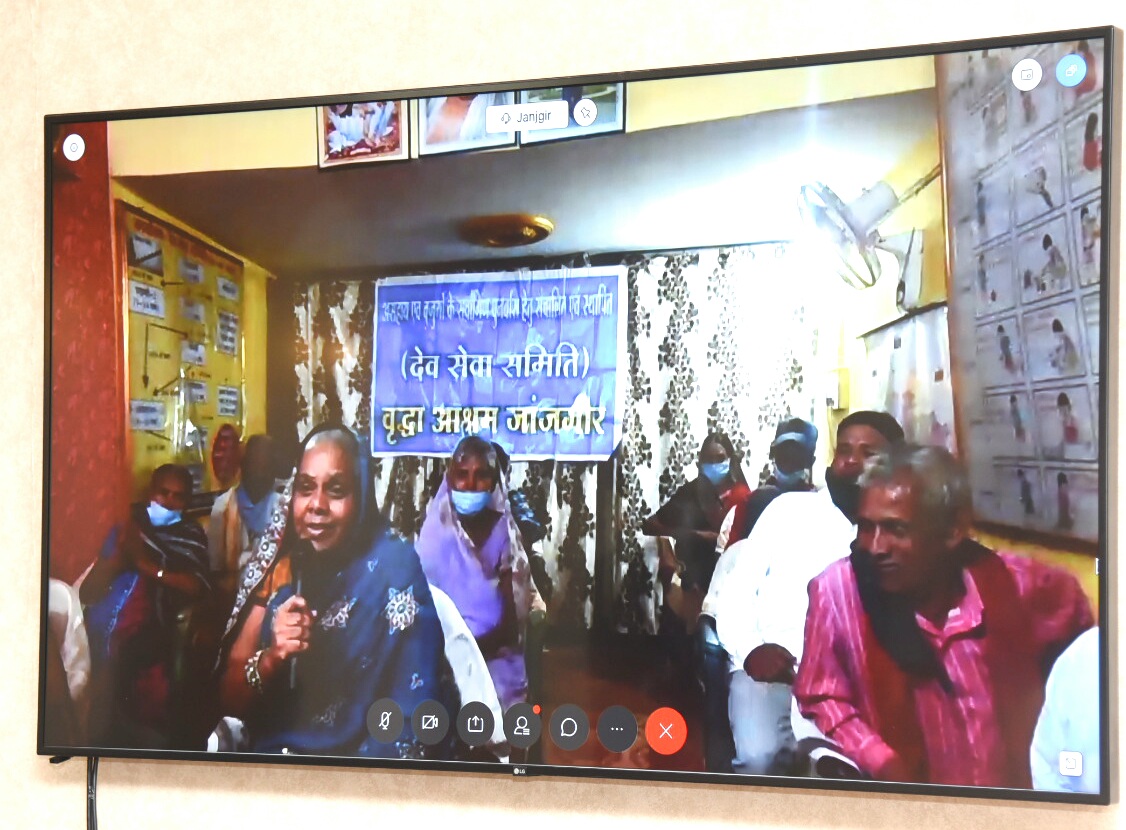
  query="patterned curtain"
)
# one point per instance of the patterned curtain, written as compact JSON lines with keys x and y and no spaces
{"x":716,"y":341}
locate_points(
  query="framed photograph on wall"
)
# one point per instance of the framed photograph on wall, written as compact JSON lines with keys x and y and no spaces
{"x":456,"y":123}
{"x":362,"y":132}
{"x":594,"y":109}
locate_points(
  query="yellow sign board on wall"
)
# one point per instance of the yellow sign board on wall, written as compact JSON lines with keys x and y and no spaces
{"x":184,"y":309}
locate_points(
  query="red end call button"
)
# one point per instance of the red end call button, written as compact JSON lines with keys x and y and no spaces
{"x":666,"y":731}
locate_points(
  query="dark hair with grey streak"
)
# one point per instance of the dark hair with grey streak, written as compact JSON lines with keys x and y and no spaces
{"x":939,"y":480}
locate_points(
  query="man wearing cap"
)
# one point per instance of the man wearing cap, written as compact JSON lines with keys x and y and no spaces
{"x":758,"y":597}
{"x":791,"y":457}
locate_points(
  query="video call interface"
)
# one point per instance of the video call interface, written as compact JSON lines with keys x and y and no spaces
{"x":742,"y":424}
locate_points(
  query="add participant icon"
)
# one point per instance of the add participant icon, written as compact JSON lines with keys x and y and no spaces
{"x":666,"y":731}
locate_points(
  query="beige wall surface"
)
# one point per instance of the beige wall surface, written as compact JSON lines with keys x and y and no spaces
{"x":60,"y":56}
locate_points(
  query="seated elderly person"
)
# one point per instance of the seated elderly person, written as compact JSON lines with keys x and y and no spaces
{"x":146,"y":607}
{"x":333,"y":589}
{"x":758,"y":601}
{"x":471,"y":549}
{"x":240,"y":515}
{"x":926,"y":654}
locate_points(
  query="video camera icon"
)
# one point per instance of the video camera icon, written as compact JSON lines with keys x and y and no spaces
{"x":430,"y":722}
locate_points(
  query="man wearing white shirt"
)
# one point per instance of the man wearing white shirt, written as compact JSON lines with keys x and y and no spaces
{"x":1065,"y":745}
{"x":758,"y":595}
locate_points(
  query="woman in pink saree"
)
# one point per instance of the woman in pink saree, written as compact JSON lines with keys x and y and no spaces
{"x":471,"y":549}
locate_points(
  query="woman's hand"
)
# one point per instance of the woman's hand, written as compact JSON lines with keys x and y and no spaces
{"x":292,"y":625}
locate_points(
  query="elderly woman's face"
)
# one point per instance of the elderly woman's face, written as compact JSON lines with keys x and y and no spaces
{"x":469,"y":472}
{"x":324,"y":497}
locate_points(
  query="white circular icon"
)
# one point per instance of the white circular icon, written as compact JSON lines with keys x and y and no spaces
{"x":73,"y":147}
{"x":1027,"y":74}
{"x":585,"y":112}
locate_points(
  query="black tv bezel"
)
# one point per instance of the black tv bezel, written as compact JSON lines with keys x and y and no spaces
{"x":1111,"y":37}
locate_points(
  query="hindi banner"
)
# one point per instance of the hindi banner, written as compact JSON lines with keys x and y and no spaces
{"x":527,"y":359}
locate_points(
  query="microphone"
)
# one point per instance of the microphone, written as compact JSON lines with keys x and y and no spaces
{"x":297,"y":562}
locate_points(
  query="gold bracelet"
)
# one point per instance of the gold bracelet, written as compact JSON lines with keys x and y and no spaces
{"x":253,"y":676}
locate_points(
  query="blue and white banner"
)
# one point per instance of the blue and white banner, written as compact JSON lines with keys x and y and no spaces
{"x":528,"y":359}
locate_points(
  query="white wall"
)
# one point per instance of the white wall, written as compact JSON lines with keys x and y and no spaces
{"x":59,"y":56}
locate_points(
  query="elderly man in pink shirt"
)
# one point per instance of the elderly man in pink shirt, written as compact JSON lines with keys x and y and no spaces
{"x":926,"y":654}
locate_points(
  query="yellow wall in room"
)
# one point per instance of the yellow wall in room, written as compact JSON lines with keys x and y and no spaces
{"x":255,"y":278}
{"x":667,"y":103}
{"x":288,"y":137}
{"x":224,"y":141}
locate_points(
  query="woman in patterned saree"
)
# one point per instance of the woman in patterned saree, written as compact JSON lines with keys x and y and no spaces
{"x":363,"y":624}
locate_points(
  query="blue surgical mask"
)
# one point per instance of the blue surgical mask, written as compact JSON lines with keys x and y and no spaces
{"x":790,"y":480}
{"x":470,"y":502}
{"x":161,"y":516}
{"x":717,"y":472}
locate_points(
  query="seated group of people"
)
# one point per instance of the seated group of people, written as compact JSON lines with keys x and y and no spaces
{"x":860,"y":621}
{"x":278,"y":628}
{"x":867,"y":631}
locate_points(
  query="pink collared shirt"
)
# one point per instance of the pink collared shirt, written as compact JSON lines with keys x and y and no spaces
{"x":960,"y":728}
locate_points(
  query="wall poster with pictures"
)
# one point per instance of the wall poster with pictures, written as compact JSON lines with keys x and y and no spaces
{"x":185,"y":345}
{"x":1023,"y":172}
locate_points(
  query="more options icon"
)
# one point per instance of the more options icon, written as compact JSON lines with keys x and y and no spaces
{"x":617,"y":728}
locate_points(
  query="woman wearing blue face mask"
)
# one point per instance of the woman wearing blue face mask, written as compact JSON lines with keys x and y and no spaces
{"x":695,"y":513}
{"x":150,"y":579}
{"x":471,"y":549}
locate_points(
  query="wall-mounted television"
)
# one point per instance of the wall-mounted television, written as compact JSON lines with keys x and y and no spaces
{"x":731,"y":424}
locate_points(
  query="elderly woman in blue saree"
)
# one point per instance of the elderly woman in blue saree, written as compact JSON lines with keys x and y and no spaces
{"x":471,"y":549}
{"x":363,"y":627}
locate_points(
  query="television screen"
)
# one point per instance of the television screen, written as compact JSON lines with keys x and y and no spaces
{"x":734,"y":423}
